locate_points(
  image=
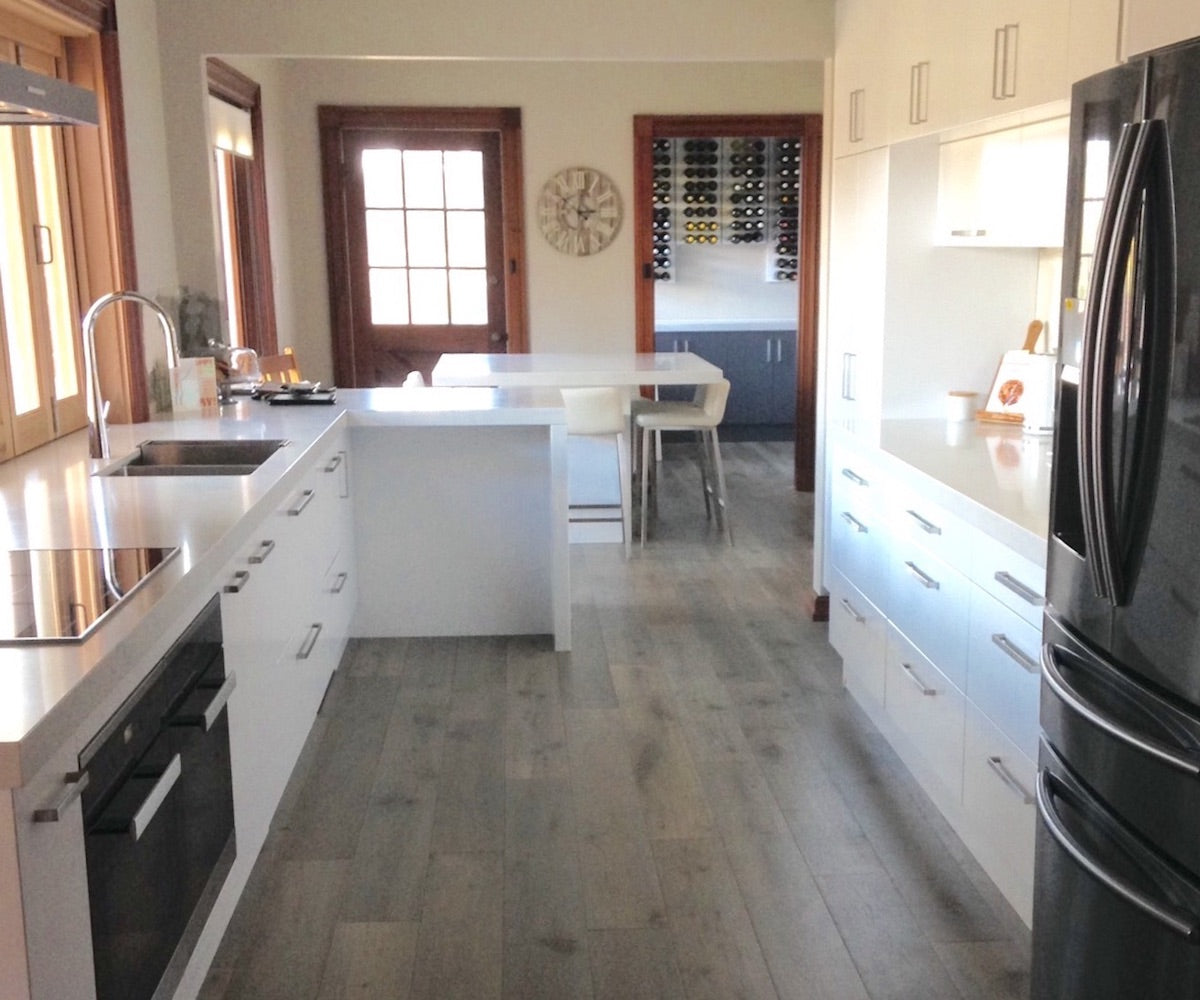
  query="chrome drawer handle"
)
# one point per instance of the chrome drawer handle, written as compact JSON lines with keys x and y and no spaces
{"x":265,"y":548}
{"x":208,"y":718}
{"x":852,"y":612}
{"x":304,"y":501}
{"x":74,"y":782}
{"x":923,"y":578}
{"x":240,"y":578}
{"x":158,"y":794}
{"x":339,"y":583}
{"x":1014,"y":652}
{"x":1010,"y":782}
{"x":334,"y":463}
{"x":1028,"y":594}
{"x":854,"y":522}
{"x":310,"y":641}
{"x":926,"y":526}
{"x":854,"y":477}
{"x":911,"y":674}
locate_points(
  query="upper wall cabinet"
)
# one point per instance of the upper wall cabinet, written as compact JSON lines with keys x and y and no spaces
{"x":918,"y":67}
{"x":1151,"y":24}
{"x":860,"y":76}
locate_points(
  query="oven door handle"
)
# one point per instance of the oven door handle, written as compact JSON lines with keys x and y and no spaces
{"x":153,"y":802}
{"x":207,"y":719}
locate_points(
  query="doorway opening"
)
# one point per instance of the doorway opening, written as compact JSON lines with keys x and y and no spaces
{"x":423,"y":210}
{"x":743,"y":190}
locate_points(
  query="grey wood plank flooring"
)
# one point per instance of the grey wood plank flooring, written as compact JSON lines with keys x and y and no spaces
{"x":687,"y":805}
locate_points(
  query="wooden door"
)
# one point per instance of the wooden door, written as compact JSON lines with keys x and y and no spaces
{"x":428,"y":259}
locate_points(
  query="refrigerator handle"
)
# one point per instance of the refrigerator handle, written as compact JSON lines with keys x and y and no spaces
{"x":1051,"y":786}
{"x":1177,"y":757}
{"x":1092,"y":425}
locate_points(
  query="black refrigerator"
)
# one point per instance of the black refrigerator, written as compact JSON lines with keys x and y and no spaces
{"x":1117,"y":875}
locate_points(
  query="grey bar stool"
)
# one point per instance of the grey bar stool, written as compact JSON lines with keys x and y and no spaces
{"x":702,"y":415}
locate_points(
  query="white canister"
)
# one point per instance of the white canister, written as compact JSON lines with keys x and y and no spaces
{"x":961,"y":405}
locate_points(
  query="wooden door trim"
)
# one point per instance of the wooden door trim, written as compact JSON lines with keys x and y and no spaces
{"x":646,"y":128}
{"x":506,"y":122}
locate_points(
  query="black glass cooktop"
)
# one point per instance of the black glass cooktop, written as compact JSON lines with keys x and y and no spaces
{"x":60,"y":595}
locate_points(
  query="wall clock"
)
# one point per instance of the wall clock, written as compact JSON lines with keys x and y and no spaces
{"x":579,"y":211}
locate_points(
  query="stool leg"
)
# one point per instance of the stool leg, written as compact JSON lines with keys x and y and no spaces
{"x":722,"y":505}
{"x":705,"y":487}
{"x":645,"y":479}
{"x":623,"y":470}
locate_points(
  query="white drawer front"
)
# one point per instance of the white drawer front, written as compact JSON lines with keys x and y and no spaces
{"x":858,"y":631}
{"x":929,"y":604}
{"x":998,"y":784}
{"x":930,"y":525}
{"x":927,"y":709}
{"x":1012,"y":579}
{"x":858,"y":548}
{"x":1003,"y":670}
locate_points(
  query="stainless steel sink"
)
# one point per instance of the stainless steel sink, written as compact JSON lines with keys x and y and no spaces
{"x":195,"y":458}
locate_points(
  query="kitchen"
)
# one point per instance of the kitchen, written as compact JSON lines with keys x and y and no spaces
{"x":163,"y":148}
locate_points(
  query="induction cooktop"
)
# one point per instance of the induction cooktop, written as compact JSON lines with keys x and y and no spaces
{"x":61,"y":595}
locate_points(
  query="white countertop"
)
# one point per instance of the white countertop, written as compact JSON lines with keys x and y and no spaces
{"x":558,"y":370}
{"x":992,"y":475}
{"x":52,"y":500}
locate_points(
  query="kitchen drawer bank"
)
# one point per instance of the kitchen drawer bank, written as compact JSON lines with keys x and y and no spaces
{"x":282,"y":548}
{"x":937,"y":622}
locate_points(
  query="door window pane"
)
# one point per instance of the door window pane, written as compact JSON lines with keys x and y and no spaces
{"x":464,"y":178}
{"x":427,"y":239}
{"x":383,"y":185}
{"x":423,"y":178}
{"x":385,"y":239}
{"x":389,"y":296}
{"x":468,"y":297}
{"x":465,"y":242}
{"x":428,"y":291}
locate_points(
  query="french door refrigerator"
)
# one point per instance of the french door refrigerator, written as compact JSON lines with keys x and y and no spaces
{"x":1117,"y":874}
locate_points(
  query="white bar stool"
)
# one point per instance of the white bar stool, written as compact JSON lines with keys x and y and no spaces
{"x":599,"y":411}
{"x":702,"y":415}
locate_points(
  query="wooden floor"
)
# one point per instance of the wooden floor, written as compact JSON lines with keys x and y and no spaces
{"x":687,"y":805}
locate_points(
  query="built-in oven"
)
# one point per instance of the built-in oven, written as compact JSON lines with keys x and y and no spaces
{"x":158,"y":815}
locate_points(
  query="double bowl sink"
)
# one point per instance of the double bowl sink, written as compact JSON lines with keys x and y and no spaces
{"x":194,"y":458}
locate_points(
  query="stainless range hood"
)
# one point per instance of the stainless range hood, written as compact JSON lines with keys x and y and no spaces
{"x":28,"y":98}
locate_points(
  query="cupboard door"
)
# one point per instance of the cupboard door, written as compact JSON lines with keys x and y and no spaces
{"x":1151,"y":24}
{"x":858,"y":631}
{"x":860,"y":78}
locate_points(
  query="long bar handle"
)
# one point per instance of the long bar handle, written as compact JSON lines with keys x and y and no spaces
{"x":310,"y":640}
{"x":1023,"y":591}
{"x":923,"y":578}
{"x":854,"y":522}
{"x":926,"y":526}
{"x":334,"y":462}
{"x":1014,"y":652}
{"x":208,"y":718}
{"x":1009,"y":779}
{"x":339,"y":582}
{"x":240,"y":578}
{"x":854,"y":477}
{"x":153,"y":802}
{"x":265,"y":548}
{"x":911,"y":674}
{"x":1180,"y":921}
{"x":74,"y":782}
{"x":852,"y":611}
{"x":306,"y":497}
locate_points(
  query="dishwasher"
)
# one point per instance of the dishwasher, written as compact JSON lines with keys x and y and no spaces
{"x":158,"y":815}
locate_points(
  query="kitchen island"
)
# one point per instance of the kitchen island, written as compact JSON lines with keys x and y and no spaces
{"x":390,"y":512}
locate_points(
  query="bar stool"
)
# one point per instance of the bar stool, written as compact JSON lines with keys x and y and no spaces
{"x":702,"y":415}
{"x":599,"y":411}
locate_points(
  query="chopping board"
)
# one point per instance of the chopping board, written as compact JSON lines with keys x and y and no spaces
{"x":1004,"y":401}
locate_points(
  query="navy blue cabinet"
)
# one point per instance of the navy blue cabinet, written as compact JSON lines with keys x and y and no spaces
{"x":760,"y":366}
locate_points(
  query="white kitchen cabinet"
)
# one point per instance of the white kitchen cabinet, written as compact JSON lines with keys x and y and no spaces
{"x":925,"y":50}
{"x":1151,"y":24}
{"x":926,"y":709}
{"x":944,"y":656}
{"x":858,"y":631}
{"x":1000,"y":818}
{"x":857,"y":291}
{"x":1093,"y":37}
{"x":860,"y":76}
{"x":1004,"y":188}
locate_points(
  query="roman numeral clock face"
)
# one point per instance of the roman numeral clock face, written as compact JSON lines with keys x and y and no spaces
{"x":579,"y":211}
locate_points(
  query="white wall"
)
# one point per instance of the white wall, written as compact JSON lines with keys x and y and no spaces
{"x":566,"y":65}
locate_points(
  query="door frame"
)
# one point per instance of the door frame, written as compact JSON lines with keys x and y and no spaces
{"x":808,"y":127}
{"x":506,"y":122}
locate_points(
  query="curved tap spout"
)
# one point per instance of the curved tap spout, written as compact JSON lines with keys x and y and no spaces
{"x":97,"y":407}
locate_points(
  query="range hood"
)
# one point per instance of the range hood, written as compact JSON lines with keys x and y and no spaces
{"x":28,"y":98}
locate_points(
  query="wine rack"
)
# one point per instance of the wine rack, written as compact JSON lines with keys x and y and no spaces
{"x":732,"y":190}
